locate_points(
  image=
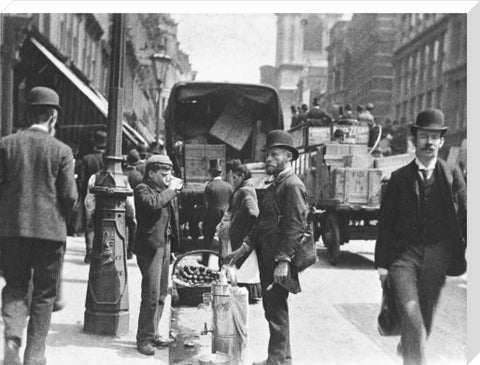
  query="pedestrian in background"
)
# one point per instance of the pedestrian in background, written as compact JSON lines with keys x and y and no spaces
{"x":217,"y":195}
{"x":90,"y":206}
{"x":280,"y":226}
{"x":422,"y":233}
{"x":90,"y":165}
{"x":132,"y":170}
{"x":37,"y":189}
{"x":155,"y":232}
{"x":244,"y":212}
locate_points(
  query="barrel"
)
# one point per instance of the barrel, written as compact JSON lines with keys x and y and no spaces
{"x":226,"y":338}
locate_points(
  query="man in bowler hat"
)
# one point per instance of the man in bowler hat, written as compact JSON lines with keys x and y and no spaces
{"x":217,"y":195}
{"x":422,"y":233}
{"x":279,"y":229}
{"x":37,"y":189}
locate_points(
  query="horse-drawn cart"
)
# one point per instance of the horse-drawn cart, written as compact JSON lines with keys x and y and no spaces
{"x":344,"y":182}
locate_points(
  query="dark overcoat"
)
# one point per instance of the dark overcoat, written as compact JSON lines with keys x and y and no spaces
{"x":217,"y":196}
{"x":280,"y":226}
{"x":37,"y":185}
{"x":244,"y":211}
{"x":400,"y":209}
{"x":153,"y":209}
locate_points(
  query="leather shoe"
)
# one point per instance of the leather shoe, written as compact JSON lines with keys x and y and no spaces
{"x":12,"y":356}
{"x":146,"y":348}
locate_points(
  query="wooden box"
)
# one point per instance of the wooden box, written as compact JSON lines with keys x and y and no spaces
{"x":362,"y":161}
{"x":391,"y":163}
{"x":357,"y":186}
{"x":318,"y":135}
{"x":197,"y":161}
{"x":334,"y":161}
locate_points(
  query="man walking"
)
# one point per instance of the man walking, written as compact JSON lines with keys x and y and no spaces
{"x":217,"y":195}
{"x":155,"y":231}
{"x":90,"y":165}
{"x":280,"y":227}
{"x":37,"y":189}
{"x":422,"y":233}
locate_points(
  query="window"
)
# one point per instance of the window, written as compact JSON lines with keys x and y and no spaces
{"x":414,"y":70}
{"x":439,"y":98}
{"x":428,"y":102}
{"x":440,"y":56}
{"x":420,"y":103}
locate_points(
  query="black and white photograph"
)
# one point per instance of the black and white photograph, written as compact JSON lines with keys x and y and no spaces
{"x":263,"y":183}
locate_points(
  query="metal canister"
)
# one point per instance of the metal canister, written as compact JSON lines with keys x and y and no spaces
{"x":225,"y":337}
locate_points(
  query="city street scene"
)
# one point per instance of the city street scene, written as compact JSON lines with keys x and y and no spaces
{"x":236,"y":189}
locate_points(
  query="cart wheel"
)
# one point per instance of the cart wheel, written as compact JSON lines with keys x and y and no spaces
{"x":331,"y":238}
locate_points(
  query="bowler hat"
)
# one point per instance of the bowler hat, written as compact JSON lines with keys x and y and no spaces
{"x":431,"y":120}
{"x":43,"y":96}
{"x":282,"y":139}
{"x":216,"y":165}
{"x":133,"y":157}
{"x":100,"y":139}
{"x":160,"y":159}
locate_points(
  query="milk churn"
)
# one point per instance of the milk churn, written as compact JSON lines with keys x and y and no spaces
{"x":230,"y":321}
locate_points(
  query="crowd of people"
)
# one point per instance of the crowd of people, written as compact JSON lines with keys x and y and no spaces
{"x":422,"y":230}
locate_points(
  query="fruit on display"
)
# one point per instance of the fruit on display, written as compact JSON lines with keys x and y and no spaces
{"x":192,"y":275}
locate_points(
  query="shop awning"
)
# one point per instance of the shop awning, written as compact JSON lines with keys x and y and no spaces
{"x":97,"y":99}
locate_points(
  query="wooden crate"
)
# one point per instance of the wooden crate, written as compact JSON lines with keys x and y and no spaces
{"x":362,"y":161}
{"x":391,"y":163}
{"x":333,"y":161}
{"x":357,"y":186}
{"x":197,"y":161}
{"x":318,"y":135}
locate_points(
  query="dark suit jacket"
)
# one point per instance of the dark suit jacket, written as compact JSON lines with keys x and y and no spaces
{"x":37,"y":185}
{"x":217,"y":196}
{"x":280,"y":225}
{"x":90,"y":164}
{"x":399,"y":214}
{"x":153,"y":207}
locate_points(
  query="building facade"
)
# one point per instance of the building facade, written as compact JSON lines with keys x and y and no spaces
{"x":430,"y":64}
{"x":70,"y":53}
{"x":300,"y":72}
{"x":360,"y":69}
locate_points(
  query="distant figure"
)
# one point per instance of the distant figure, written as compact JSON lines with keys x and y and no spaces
{"x":318,"y":117}
{"x":37,"y":189}
{"x":156,"y":148}
{"x":134,"y":175}
{"x":302,"y":115}
{"x":91,"y":164}
{"x":294,"y":111}
{"x":143,"y":151}
{"x":348,"y":117}
{"x":217,"y":195}
{"x":366,"y":116}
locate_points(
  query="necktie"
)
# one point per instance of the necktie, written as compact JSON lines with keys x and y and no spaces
{"x":424,"y":174}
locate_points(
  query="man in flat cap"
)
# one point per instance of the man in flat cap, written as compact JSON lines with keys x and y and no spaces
{"x":422,"y":233}
{"x":155,"y":231}
{"x":280,"y":227}
{"x":37,"y":189}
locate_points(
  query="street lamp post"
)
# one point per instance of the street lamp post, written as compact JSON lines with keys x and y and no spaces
{"x":106,"y":307}
{"x":160,"y":62}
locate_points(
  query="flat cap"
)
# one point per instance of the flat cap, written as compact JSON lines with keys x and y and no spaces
{"x":160,"y":159}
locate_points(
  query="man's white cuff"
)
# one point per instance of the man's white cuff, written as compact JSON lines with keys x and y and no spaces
{"x":382,"y":271}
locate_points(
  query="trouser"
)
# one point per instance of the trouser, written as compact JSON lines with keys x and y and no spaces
{"x":275,"y":305}
{"x":154,"y":271}
{"x":21,"y":258}
{"x":417,"y":277}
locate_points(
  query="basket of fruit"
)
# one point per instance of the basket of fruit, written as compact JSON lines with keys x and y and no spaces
{"x":193,"y":273}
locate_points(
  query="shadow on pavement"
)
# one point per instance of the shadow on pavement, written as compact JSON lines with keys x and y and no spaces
{"x":346,"y":261}
{"x":64,"y":335}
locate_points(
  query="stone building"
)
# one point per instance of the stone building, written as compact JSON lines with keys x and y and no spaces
{"x":360,"y":67}
{"x":430,"y":64}
{"x":300,"y":72}
{"x":70,"y":53}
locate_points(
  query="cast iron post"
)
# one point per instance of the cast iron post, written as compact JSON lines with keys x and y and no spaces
{"x":107,"y":294}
